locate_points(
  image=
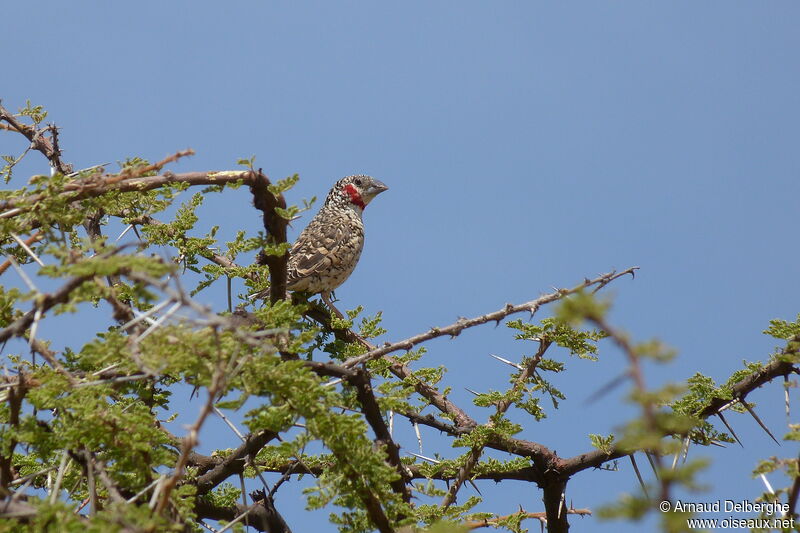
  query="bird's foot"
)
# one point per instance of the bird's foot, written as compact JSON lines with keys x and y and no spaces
{"x":326,"y":297}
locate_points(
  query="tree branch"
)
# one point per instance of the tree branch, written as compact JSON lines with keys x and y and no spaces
{"x":740,"y":389}
{"x":374,"y":417}
{"x":262,"y":515}
{"x":234,"y":463}
{"x":39,"y":142}
{"x":275,"y":225}
{"x":456,"y":328}
{"x":110,"y":183}
{"x":43,"y":303}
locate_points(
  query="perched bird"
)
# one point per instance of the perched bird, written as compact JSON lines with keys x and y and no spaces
{"x":328,"y":249}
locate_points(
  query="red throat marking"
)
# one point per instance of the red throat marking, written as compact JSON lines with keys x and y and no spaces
{"x":354,"y":195}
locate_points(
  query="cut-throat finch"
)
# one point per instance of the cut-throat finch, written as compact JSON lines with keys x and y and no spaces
{"x":328,"y":249}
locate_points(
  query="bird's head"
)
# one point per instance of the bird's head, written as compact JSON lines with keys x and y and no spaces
{"x":357,"y":191}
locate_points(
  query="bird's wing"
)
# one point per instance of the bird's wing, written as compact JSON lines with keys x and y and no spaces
{"x":316,"y":250}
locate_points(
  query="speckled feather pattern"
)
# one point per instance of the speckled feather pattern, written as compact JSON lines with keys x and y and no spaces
{"x":328,"y":249}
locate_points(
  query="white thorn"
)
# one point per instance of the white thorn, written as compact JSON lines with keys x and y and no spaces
{"x":727,"y":405}
{"x":22,"y":274}
{"x":37,"y":316}
{"x":73,"y":174}
{"x":156,"y":493}
{"x":160,"y":321}
{"x":230,"y":424}
{"x":786,"y":394}
{"x":62,"y":468}
{"x":145,"y":316}
{"x":126,"y":230}
{"x":506,"y":361}
{"x":148,"y":487}
{"x":11,"y":212}
{"x":106,"y":369}
{"x":26,"y":248}
{"x":434,"y":461}
{"x":766,"y":483}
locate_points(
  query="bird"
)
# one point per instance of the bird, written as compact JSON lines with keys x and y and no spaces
{"x":328,"y":249}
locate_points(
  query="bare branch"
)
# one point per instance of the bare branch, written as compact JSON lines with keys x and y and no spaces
{"x":456,"y":328}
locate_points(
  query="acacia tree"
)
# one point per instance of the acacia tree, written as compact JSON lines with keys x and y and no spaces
{"x":82,"y":443}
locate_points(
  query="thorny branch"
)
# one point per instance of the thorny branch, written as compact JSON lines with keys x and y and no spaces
{"x":44,"y":303}
{"x":374,"y":417}
{"x":456,"y":328}
{"x":92,"y":188}
{"x":548,"y":470}
{"x":38,"y":138}
{"x":231,"y":465}
{"x":741,"y":389}
{"x":635,"y":371}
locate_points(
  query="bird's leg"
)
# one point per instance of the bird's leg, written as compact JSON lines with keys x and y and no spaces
{"x":326,"y":297}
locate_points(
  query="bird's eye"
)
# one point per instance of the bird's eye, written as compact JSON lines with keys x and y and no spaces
{"x":358,"y":181}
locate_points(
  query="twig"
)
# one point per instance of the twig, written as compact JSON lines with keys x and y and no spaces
{"x":43,"y":304}
{"x":740,"y":389}
{"x":48,"y":147}
{"x":374,"y":417}
{"x":456,"y":328}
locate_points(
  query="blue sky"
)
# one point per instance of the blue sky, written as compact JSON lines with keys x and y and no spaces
{"x":526,"y":145}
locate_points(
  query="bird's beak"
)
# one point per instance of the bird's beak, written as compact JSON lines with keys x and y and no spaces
{"x":376,"y":187}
